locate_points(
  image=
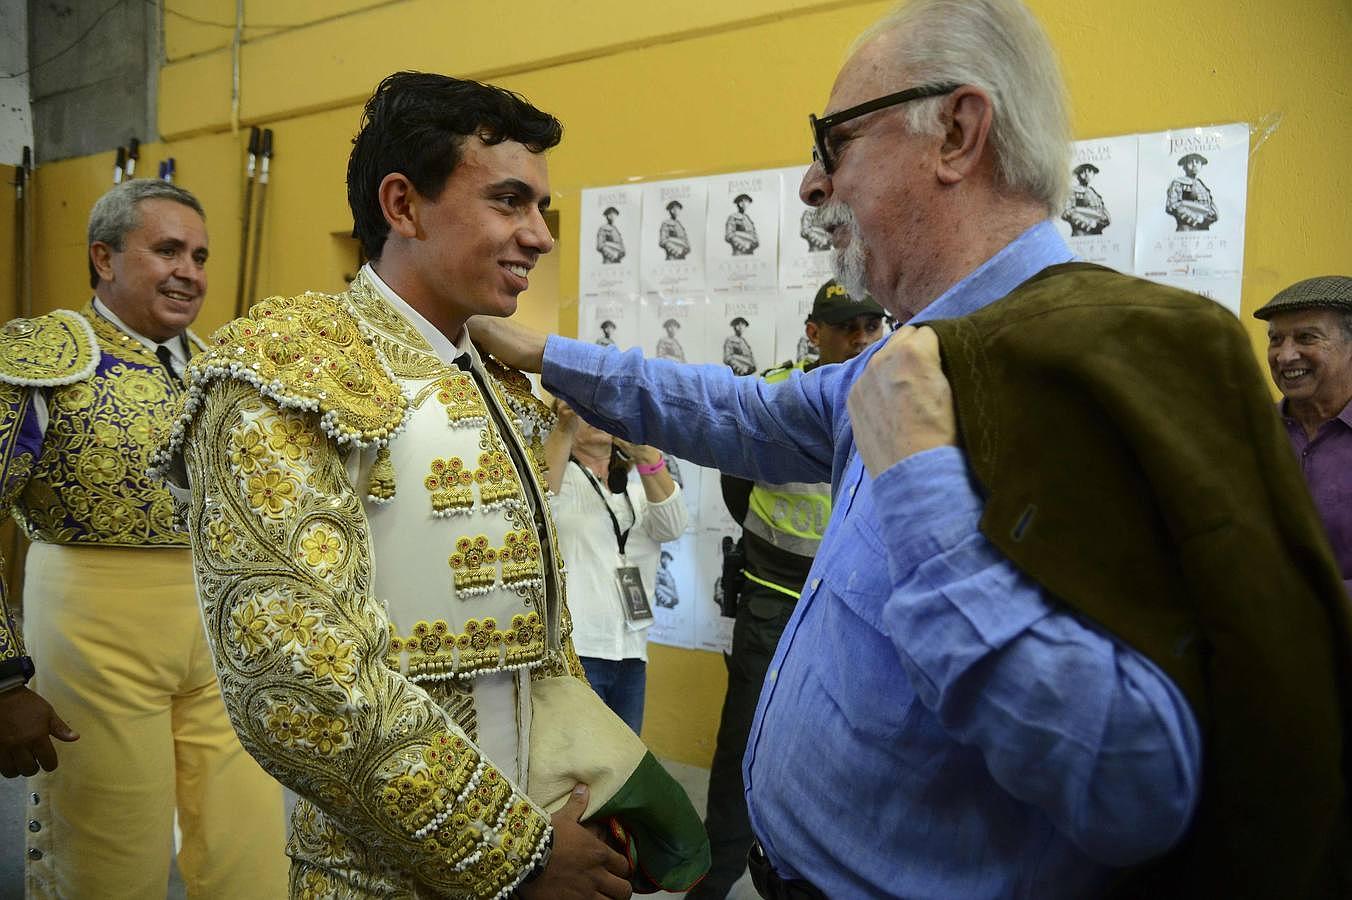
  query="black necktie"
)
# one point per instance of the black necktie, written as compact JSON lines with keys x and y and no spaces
{"x":167,"y":360}
{"x":462,"y":362}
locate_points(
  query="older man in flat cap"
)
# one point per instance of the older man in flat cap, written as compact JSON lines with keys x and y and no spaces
{"x":1310,"y":356}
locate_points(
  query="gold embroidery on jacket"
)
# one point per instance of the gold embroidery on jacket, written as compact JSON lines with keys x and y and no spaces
{"x":304,"y":655}
{"x":58,"y":348}
{"x":90,"y":485}
{"x":451,"y":486}
{"x":464,"y":405}
{"x":473,"y":565}
{"x":16,"y":465}
{"x":434,"y":651}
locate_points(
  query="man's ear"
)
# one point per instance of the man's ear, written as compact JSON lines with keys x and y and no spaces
{"x":399,"y":202}
{"x":968,"y":113}
{"x":101,"y":255}
{"x":811,"y":329}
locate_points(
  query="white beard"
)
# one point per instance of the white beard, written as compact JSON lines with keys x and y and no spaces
{"x":848,"y":265}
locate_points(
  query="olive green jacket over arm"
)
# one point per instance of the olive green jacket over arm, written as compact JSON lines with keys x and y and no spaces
{"x":1125,"y":440}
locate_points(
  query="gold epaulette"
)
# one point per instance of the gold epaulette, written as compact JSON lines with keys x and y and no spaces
{"x":55,"y":349}
{"x":516,"y":390}
{"x":305,"y":353}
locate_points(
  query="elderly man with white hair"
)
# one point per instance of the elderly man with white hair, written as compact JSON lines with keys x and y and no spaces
{"x":1052,"y":639}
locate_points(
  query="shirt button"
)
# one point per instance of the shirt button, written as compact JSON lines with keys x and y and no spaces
{"x":815,"y":583}
{"x":35,"y":853}
{"x":774,"y":674}
{"x":36,"y":799}
{"x":853,"y":488}
{"x":34,"y":825}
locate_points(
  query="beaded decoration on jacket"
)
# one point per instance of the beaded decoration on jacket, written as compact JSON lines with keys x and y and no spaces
{"x":462,"y":511}
{"x":339,"y":607}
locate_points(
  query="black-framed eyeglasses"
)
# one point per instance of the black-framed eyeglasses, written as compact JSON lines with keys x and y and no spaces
{"x":821,"y":128}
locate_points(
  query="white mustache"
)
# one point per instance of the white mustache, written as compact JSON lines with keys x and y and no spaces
{"x":834,"y":215}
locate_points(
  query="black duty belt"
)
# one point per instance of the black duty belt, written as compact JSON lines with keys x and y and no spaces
{"x":768,"y":883}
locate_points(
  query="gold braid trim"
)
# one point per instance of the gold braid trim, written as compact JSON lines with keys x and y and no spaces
{"x":304,"y":353}
{"x":282,"y":553}
{"x":58,"y":348}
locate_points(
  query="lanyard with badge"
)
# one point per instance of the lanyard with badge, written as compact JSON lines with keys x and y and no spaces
{"x":638,"y":613}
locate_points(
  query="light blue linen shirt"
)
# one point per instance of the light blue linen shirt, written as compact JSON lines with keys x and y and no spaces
{"x":932,"y":725}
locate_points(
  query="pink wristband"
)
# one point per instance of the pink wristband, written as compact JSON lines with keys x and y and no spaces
{"x":653,"y":469}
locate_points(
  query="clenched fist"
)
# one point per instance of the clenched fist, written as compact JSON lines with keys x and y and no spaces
{"x":902,"y":403}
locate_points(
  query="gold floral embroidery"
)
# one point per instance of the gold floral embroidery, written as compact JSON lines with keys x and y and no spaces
{"x":436,"y":651}
{"x":220,"y":538}
{"x":308,"y":353}
{"x":313,"y":885}
{"x":403,"y":347}
{"x":16,"y":464}
{"x":90,"y":485}
{"x":290,"y":438}
{"x":78,"y":396}
{"x":100,"y":467}
{"x":458,"y":393}
{"x":350,"y":730}
{"x":450,"y":485}
{"x":526,"y":640}
{"x":473,"y":568}
{"x":271,"y":492}
{"x":327,"y":735}
{"x":329,"y":658}
{"x":520,"y":557}
{"x":248,"y":450}
{"x":496,"y":478}
{"x":52,"y":349}
{"x":142,"y":387}
{"x":322,"y":547}
{"x":480,"y":644}
{"x":286,"y":726}
{"x":250,"y":633}
{"x":295,"y":624}
{"x":446,"y":768}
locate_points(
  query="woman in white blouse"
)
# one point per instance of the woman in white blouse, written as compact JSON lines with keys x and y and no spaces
{"x":610,"y":535}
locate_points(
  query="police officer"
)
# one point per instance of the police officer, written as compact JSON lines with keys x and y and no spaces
{"x":782,"y":525}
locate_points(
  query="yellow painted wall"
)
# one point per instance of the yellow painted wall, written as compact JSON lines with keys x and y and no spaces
{"x":647,"y":92}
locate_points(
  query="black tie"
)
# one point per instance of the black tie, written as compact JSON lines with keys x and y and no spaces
{"x":167,"y":360}
{"x":462,"y":362}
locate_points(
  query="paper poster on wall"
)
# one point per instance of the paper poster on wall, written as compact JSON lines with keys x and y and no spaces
{"x":1099,"y":219}
{"x":1191,"y":200}
{"x":713,"y":631}
{"x":609,"y":321}
{"x":608,"y":249}
{"x":674,"y":595}
{"x":673,"y":328}
{"x":804,"y":246}
{"x":742,"y":232}
{"x":713,"y":512}
{"x":672,"y":257}
{"x":791,"y":342}
{"x":740,"y":333}
{"x":689,"y":477}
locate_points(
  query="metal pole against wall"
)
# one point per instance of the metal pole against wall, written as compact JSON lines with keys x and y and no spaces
{"x":24,"y":195}
{"x":241,"y":302}
{"x":265,"y":159}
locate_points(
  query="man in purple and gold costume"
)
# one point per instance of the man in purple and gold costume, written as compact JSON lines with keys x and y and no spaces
{"x":112,"y":617}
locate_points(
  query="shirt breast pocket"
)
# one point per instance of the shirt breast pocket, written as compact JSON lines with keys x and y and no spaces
{"x":858,"y":666}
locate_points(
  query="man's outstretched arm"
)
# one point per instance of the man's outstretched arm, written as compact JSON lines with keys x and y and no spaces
{"x":776,"y":433}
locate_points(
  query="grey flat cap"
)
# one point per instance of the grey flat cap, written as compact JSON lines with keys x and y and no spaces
{"x":1324,"y":292}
